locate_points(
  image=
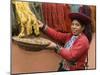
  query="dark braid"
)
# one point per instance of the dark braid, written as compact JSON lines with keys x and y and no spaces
{"x":87,"y":30}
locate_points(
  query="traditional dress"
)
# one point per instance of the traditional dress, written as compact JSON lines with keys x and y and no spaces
{"x":75,"y":50}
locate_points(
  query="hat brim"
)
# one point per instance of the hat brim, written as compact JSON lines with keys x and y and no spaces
{"x":79,"y":16}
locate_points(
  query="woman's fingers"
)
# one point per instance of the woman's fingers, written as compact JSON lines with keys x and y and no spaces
{"x":40,"y":24}
{"x":52,"y":44}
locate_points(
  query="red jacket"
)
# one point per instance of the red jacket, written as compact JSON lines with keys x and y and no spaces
{"x":77,"y":53}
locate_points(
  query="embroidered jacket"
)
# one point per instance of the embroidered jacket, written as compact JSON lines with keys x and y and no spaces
{"x":76,"y":56}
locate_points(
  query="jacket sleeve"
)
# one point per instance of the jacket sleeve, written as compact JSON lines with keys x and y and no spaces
{"x":57,"y":36}
{"x":76,"y":51}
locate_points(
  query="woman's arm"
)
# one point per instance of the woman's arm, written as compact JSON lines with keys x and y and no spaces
{"x":76,"y":51}
{"x":57,"y":36}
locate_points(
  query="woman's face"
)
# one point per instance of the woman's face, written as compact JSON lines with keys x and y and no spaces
{"x":76,"y":27}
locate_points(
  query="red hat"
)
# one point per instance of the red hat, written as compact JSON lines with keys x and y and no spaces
{"x":81,"y":17}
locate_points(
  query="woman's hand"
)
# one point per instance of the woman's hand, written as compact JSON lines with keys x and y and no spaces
{"x":40,"y":24}
{"x":55,"y":46}
{"x":52,"y":44}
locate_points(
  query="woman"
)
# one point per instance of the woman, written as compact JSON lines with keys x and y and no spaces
{"x":76,"y":43}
